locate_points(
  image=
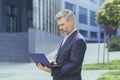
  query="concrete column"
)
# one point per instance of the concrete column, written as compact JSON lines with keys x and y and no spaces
{"x":0,"y":15}
{"x":36,"y":19}
{"x":45,"y":18}
{"x":54,"y":16}
{"x":61,"y":4}
{"x":48,"y":15}
{"x":51,"y":11}
{"x":41,"y":14}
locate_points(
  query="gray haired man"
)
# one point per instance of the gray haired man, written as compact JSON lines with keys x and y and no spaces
{"x":68,"y":64}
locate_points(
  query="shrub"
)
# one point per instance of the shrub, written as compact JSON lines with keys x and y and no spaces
{"x":114,"y":43}
{"x":110,"y":76}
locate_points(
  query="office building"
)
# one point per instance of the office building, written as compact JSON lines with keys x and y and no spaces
{"x":85,"y":12}
{"x":28,"y":26}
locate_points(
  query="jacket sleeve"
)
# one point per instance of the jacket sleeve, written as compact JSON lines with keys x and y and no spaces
{"x":76,"y":59}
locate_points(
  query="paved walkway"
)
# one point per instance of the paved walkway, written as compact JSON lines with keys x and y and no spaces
{"x":21,"y":71}
{"x":29,"y":71}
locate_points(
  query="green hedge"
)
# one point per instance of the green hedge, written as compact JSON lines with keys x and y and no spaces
{"x":110,"y":76}
{"x":112,"y":65}
{"x":114,"y":43}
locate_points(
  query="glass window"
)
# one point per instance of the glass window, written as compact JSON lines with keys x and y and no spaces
{"x":83,"y":15}
{"x":13,"y":10}
{"x":10,"y":18}
{"x":29,"y":14}
{"x":7,"y":23}
{"x":70,"y":6}
{"x":93,"y":34}
{"x":29,"y":18}
{"x":101,"y":35}
{"x":92,"y":18}
{"x":7,"y":9}
{"x":93,"y":1}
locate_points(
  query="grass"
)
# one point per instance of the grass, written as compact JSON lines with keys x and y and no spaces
{"x":110,"y":76}
{"x":113,"y":65}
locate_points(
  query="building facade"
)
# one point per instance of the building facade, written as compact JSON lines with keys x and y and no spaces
{"x":28,"y":26}
{"x":45,"y":35}
{"x":15,"y":19}
{"x":43,"y":15}
{"x":19,"y":15}
{"x":85,"y":17}
{"x":85,"y":12}
{"x":16,"y":15}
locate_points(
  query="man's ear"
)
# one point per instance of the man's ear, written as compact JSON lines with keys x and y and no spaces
{"x":72,"y":22}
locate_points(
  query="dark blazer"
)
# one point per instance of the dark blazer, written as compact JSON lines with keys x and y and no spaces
{"x":70,"y":58}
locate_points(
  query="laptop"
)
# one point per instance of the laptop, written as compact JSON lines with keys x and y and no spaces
{"x":40,"y":58}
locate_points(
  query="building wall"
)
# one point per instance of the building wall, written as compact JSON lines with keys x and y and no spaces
{"x":88,"y":28}
{"x":42,"y":42}
{"x":90,"y":32}
{"x":14,"y":44}
{"x":45,"y":27}
{"x":44,"y":36}
{"x":43,"y":15}
{"x":18,"y":11}
{"x":0,"y":15}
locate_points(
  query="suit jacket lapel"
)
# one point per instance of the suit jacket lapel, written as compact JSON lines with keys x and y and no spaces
{"x":68,"y":41}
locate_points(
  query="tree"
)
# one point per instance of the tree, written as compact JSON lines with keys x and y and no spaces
{"x":109,"y":17}
{"x":109,"y":14}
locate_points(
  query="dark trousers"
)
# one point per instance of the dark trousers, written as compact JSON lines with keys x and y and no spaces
{"x":75,"y":76}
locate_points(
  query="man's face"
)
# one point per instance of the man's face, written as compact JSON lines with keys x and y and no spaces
{"x":64,"y":26}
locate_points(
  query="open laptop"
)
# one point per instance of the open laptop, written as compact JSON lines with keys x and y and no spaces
{"x":40,"y":58}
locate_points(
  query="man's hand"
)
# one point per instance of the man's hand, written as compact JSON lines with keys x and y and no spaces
{"x":45,"y":68}
{"x":53,"y":62}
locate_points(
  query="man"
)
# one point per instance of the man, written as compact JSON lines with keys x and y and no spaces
{"x":71,"y":53}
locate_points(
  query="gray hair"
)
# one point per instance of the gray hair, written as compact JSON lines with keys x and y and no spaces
{"x":66,"y":13}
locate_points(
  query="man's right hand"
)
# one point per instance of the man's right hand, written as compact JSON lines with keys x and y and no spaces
{"x":53,"y":62}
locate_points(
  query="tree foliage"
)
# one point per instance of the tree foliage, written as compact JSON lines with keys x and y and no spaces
{"x":109,"y":14}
